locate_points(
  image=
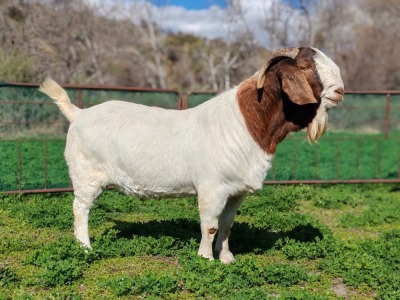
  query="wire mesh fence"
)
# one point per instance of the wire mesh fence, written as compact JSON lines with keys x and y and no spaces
{"x":361,"y":145}
{"x":33,"y":131}
{"x":27,"y":113}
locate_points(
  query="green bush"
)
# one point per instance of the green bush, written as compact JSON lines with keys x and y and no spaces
{"x":284,"y":274}
{"x":62,"y":272}
{"x":319,"y":248}
{"x":50,"y":210}
{"x":203,"y":277}
{"x":61,"y":263}
{"x":288,"y":244}
{"x":300,"y":295}
{"x":373,"y":263}
{"x":146,"y":285}
{"x":381,"y":211}
{"x":111,"y":245}
{"x":7,"y":276}
{"x":274,"y":207}
{"x":335,"y":197}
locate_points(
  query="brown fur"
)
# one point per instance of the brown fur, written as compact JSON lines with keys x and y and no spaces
{"x":276,"y":115}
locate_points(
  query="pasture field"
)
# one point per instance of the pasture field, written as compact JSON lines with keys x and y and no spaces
{"x":291,"y":242}
{"x":336,"y":156}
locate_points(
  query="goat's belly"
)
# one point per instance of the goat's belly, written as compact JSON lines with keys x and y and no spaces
{"x":157,"y":192}
{"x":153,"y":185}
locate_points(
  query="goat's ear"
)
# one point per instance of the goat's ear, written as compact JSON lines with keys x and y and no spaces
{"x":275,"y":58}
{"x":295,"y":85}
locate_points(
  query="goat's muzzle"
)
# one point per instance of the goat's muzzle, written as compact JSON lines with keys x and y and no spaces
{"x":336,"y":96}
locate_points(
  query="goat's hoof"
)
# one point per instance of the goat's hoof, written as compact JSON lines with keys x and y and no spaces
{"x":85,"y":245}
{"x":206,"y":255}
{"x":226,"y":257}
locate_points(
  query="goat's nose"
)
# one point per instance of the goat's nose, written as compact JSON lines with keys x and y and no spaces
{"x":340,"y":91}
{"x":339,"y":94}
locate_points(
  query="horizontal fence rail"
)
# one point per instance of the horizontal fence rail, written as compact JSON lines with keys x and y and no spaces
{"x":26,"y":112}
{"x":362,"y":143}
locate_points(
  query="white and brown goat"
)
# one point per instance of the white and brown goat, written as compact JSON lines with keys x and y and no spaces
{"x":219,"y":150}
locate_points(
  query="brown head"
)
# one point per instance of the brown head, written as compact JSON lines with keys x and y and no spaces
{"x":292,"y":90}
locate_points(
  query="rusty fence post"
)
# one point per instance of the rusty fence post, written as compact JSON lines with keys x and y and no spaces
{"x":184,"y":103}
{"x":337,"y":158}
{"x":387,"y":116}
{"x":79,"y":98}
{"x":398,"y":170}
{"x":379,"y":155}
{"x":358,"y":158}
{"x":274,"y":170}
{"x":294,"y":158}
{"x":19,"y":165}
{"x":45,"y":163}
{"x":316,"y":174}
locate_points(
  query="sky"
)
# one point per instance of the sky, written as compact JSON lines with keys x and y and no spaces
{"x":196,"y":4}
{"x":204,"y":4}
{"x":205,"y":18}
{"x":211,"y":18}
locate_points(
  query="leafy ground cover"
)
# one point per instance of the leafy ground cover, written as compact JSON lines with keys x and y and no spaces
{"x":291,"y":242}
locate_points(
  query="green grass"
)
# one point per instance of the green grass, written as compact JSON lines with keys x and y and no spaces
{"x":39,"y":164}
{"x":33,"y":164}
{"x":338,"y":156}
{"x":290,"y":242}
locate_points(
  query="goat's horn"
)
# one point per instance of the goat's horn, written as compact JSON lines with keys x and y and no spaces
{"x":287,"y":52}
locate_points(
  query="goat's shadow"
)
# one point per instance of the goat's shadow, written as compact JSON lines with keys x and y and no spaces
{"x":395,"y":188}
{"x":244,"y":238}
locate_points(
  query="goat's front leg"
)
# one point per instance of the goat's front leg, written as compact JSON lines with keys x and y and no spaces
{"x":210,"y":207}
{"x":225,"y":223}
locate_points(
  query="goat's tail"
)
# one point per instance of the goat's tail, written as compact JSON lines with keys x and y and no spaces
{"x":60,"y":97}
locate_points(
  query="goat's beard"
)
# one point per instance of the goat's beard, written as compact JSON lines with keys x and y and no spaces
{"x":318,"y":125}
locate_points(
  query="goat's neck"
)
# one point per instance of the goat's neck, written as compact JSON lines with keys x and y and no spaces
{"x":265,"y":119}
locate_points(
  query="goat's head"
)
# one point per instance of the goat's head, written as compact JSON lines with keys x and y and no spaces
{"x":308,"y":78}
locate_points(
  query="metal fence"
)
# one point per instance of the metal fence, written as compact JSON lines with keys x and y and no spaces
{"x":361,"y":145}
{"x":27,"y":113}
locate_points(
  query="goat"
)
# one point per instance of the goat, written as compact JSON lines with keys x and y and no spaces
{"x":219,"y":150}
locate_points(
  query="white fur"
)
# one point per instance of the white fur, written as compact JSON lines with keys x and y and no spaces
{"x":329,"y":74}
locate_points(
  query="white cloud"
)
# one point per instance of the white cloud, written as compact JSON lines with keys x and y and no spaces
{"x":214,"y":22}
{"x":210,"y":23}
{"x":217,"y":22}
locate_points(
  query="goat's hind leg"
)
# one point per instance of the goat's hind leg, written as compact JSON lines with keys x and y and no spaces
{"x":85,"y":197}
